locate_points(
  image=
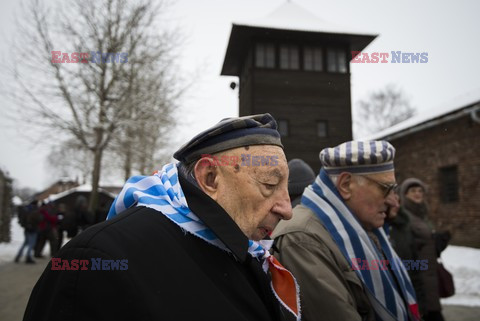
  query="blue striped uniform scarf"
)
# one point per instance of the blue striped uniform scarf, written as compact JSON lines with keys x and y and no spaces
{"x":387,"y":300}
{"x":163,"y":193}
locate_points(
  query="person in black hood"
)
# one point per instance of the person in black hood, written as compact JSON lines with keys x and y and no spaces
{"x":301,"y":175}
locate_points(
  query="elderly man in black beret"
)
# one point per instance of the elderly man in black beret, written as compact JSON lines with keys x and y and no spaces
{"x":187,"y":243}
{"x":335,"y":244}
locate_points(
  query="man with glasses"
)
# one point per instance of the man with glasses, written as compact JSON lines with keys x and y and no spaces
{"x":335,"y":244}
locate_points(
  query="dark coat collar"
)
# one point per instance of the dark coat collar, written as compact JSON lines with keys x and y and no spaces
{"x":215,"y":218}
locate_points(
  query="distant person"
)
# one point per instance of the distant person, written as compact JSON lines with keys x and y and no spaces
{"x":301,"y":175}
{"x":84,"y":217}
{"x":191,"y":237}
{"x":47,"y":230}
{"x":335,"y":244}
{"x":403,"y":241}
{"x":414,"y":235}
{"x":29,"y":218}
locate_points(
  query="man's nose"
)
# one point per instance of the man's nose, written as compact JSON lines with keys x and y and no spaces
{"x":283,"y":207}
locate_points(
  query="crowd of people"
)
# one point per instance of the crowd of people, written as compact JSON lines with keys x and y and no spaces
{"x":210,"y":240}
{"x":48,"y":221}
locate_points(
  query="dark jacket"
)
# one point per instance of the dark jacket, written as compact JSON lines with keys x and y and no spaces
{"x":329,"y":289}
{"x":171,"y":275}
{"x":425,"y":246}
{"x":406,"y":245}
{"x":49,"y":220}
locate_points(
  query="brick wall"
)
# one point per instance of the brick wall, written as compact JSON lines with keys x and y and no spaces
{"x":58,"y":187}
{"x":423,"y":153}
{"x":5,"y":207}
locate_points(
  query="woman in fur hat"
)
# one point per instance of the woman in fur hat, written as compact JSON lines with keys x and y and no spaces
{"x":414,"y":222}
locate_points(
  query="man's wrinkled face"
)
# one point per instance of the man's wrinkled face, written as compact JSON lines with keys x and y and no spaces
{"x":368,"y":200}
{"x":256,"y":197}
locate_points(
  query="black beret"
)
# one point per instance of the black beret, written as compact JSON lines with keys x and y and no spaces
{"x":231,"y":133}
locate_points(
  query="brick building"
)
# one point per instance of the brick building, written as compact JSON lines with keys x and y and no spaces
{"x":59,"y":186}
{"x":442,"y":148}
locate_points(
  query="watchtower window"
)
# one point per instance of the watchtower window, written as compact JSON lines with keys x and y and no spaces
{"x":289,"y":57}
{"x":313,"y":58}
{"x":322,"y":129}
{"x":265,"y":55}
{"x":336,"y":60}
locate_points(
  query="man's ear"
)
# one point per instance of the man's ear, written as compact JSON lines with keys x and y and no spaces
{"x":344,"y":185}
{"x":206,"y":173}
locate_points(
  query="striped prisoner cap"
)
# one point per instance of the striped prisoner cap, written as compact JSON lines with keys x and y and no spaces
{"x":358,"y":157}
{"x":231,"y":133}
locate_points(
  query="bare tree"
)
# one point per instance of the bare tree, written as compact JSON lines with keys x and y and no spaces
{"x":127,"y":74}
{"x":138,"y":141}
{"x":382,"y":109}
{"x":70,"y":159}
{"x":25,"y":193}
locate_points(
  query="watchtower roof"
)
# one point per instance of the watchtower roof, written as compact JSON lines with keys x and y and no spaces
{"x":289,"y":21}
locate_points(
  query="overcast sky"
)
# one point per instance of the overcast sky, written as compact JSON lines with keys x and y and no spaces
{"x":448,"y":30}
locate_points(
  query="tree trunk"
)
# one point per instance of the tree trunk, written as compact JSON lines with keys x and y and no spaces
{"x":128,"y":164}
{"x":97,"y":161}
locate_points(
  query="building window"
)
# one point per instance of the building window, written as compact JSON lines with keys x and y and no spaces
{"x":336,"y":60}
{"x":313,"y":58}
{"x":265,"y":55}
{"x":289,"y":57}
{"x":322,"y":130}
{"x":282,"y":127}
{"x":449,"y":184}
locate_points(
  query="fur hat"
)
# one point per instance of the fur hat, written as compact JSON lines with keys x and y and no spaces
{"x":411,"y":182}
{"x":301,"y":175}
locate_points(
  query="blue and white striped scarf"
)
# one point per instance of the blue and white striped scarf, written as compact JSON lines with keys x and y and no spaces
{"x":163,"y":193}
{"x":323,"y":199}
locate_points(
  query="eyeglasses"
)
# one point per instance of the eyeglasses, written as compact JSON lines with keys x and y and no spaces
{"x":386,"y":188}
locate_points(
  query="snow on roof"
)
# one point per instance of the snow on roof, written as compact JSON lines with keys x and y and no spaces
{"x":82,"y":188}
{"x":460,"y":102}
{"x":66,"y":179}
{"x":293,"y":17}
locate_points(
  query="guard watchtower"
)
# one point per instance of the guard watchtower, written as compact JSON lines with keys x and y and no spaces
{"x":295,"y":66}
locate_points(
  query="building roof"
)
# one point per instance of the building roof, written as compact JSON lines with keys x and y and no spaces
{"x":460,"y":105}
{"x":288,"y":22}
{"x":290,"y":16}
{"x":86,"y":188}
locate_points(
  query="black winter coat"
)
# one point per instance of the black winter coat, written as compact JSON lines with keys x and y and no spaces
{"x":170,"y":274}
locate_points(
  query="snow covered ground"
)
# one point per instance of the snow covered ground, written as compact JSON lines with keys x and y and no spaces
{"x":462,"y":262}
